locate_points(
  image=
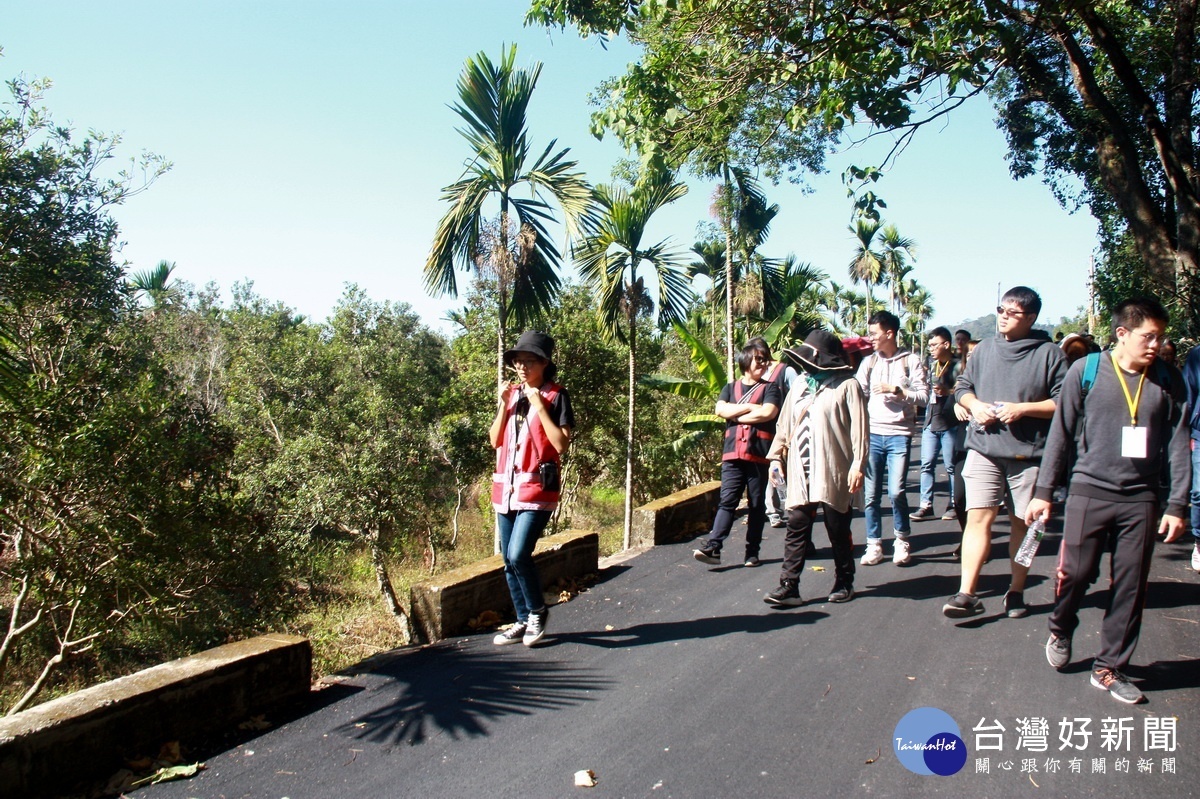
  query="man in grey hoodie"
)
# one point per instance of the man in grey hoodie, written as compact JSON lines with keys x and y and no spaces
{"x":1009,"y":387}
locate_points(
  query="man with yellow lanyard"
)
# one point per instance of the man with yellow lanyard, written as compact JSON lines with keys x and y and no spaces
{"x":1123,"y":429}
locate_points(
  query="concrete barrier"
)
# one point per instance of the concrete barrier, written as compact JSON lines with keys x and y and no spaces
{"x":442,"y":607}
{"x":676,"y":516}
{"x":51,"y":748}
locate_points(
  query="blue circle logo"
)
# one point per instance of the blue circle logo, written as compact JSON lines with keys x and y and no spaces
{"x":927,"y":741}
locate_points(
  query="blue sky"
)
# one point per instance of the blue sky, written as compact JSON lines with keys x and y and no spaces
{"x":311,"y":141}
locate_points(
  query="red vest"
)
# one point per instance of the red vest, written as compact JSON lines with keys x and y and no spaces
{"x":516,"y":484}
{"x":746,"y":442}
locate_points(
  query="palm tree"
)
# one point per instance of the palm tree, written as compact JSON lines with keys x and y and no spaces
{"x":746,"y":219}
{"x":918,"y":305}
{"x":610,"y":257}
{"x":802,"y":290}
{"x":867,"y":264}
{"x":156,"y":284}
{"x":493,"y":99}
{"x":899,"y":252}
{"x":711,"y":264}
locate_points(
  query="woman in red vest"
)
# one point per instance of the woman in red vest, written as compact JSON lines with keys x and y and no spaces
{"x":531,"y":430}
{"x":749,"y":407}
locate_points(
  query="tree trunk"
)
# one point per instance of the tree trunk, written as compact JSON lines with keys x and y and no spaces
{"x":632,"y":314}
{"x":502,"y":274}
{"x":727,"y":221}
{"x":386,"y":591}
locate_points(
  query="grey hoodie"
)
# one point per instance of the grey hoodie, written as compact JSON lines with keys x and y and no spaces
{"x":1030,"y":369}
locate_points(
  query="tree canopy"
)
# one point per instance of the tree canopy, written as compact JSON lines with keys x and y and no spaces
{"x":1098,"y":98}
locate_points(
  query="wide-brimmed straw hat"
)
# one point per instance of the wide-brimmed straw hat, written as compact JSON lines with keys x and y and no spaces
{"x":534,"y":342}
{"x":821,"y":351}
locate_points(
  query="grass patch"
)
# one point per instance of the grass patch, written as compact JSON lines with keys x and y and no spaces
{"x":602,"y":509}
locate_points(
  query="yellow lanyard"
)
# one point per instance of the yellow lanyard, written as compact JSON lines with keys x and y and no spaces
{"x":937,"y":373}
{"x":1133,"y":401}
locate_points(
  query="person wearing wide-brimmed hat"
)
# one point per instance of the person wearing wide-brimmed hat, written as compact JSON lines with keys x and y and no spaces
{"x":531,"y":430}
{"x":821,"y":447}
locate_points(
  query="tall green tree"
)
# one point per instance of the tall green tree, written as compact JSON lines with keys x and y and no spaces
{"x":1097,"y":98}
{"x":615,"y":263}
{"x":517,"y":248}
{"x":155,"y":284}
{"x":899,"y":253}
{"x":867,"y":265}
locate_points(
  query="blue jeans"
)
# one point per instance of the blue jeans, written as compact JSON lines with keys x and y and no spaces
{"x":890,"y":452}
{"x":933,"y":441}
{"x":519,"y":532}
{"x":1195,"y":496}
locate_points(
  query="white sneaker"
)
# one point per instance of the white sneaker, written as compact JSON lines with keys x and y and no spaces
{"x":1196,"y":557}
{"x":874,"y":553}
{"x":900,"y":553}
{"x":512,"y":635}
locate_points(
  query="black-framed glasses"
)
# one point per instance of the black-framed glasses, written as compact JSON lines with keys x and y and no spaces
{"x":1002,"y":311}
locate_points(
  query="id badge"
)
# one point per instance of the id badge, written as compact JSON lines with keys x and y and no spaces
{"x":1133,"y":442}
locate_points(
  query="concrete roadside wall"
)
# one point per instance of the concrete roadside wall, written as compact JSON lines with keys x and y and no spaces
{"x":442,"y":607}
{"x":59,"y":746}
{"x":50,"y":749}
{"x":677,"y":516}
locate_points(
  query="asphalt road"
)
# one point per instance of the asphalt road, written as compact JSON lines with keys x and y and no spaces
{"x":670,"y":678}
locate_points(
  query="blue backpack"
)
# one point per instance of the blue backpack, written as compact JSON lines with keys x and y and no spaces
{"x":1091,"y":367}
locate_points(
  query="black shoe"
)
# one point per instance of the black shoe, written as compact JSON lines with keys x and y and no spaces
{"x":962,"y":606}
{"x":950,"y":515}
{"x":787,"y":594}
{"x":842,"y":592}
{"x":752,"y":561}
{"x":707,"y":555}
{"x":535,"y":627}
{"x":1058,"y":651}
{"x":1014,"y":605}
{"x":922,"y":513}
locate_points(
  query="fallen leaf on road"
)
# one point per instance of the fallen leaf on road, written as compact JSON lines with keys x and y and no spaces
{"x":911,"y":679}
{"x":585,"y":779}
{"x":609,"y":628}
{"x":255,"y":723}
{"x":878,"y":752}
{"x":170,"y":773}
{"x":818,"y":568}
{"x":487,"y":619}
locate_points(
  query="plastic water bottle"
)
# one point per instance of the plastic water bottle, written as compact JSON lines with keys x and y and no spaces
{"x":979,"y":428}
{"x":1029,"y":546}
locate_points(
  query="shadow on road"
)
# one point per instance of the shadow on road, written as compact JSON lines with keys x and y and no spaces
{"x":662,"y":632}
{"x":451,"y":690}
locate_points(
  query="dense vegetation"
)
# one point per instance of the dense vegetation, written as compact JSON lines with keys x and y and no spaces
{"x":176,"y":472}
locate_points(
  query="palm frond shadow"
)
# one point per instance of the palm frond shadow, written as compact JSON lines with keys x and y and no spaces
{"x":456,"y":691}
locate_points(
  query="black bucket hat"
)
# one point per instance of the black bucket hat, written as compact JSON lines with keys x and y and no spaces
{"x":821,"y":351}
{"x":533,"y":342}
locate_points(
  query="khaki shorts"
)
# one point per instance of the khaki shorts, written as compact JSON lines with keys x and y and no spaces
{"x":992,"y":482}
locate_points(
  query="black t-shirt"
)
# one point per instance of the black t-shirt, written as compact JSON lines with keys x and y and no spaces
{"x":761,"y":393}
{"x":560,"y":408}
{"x":939,"y":414}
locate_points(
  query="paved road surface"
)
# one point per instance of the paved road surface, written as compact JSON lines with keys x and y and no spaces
{"x":673,"y":679}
